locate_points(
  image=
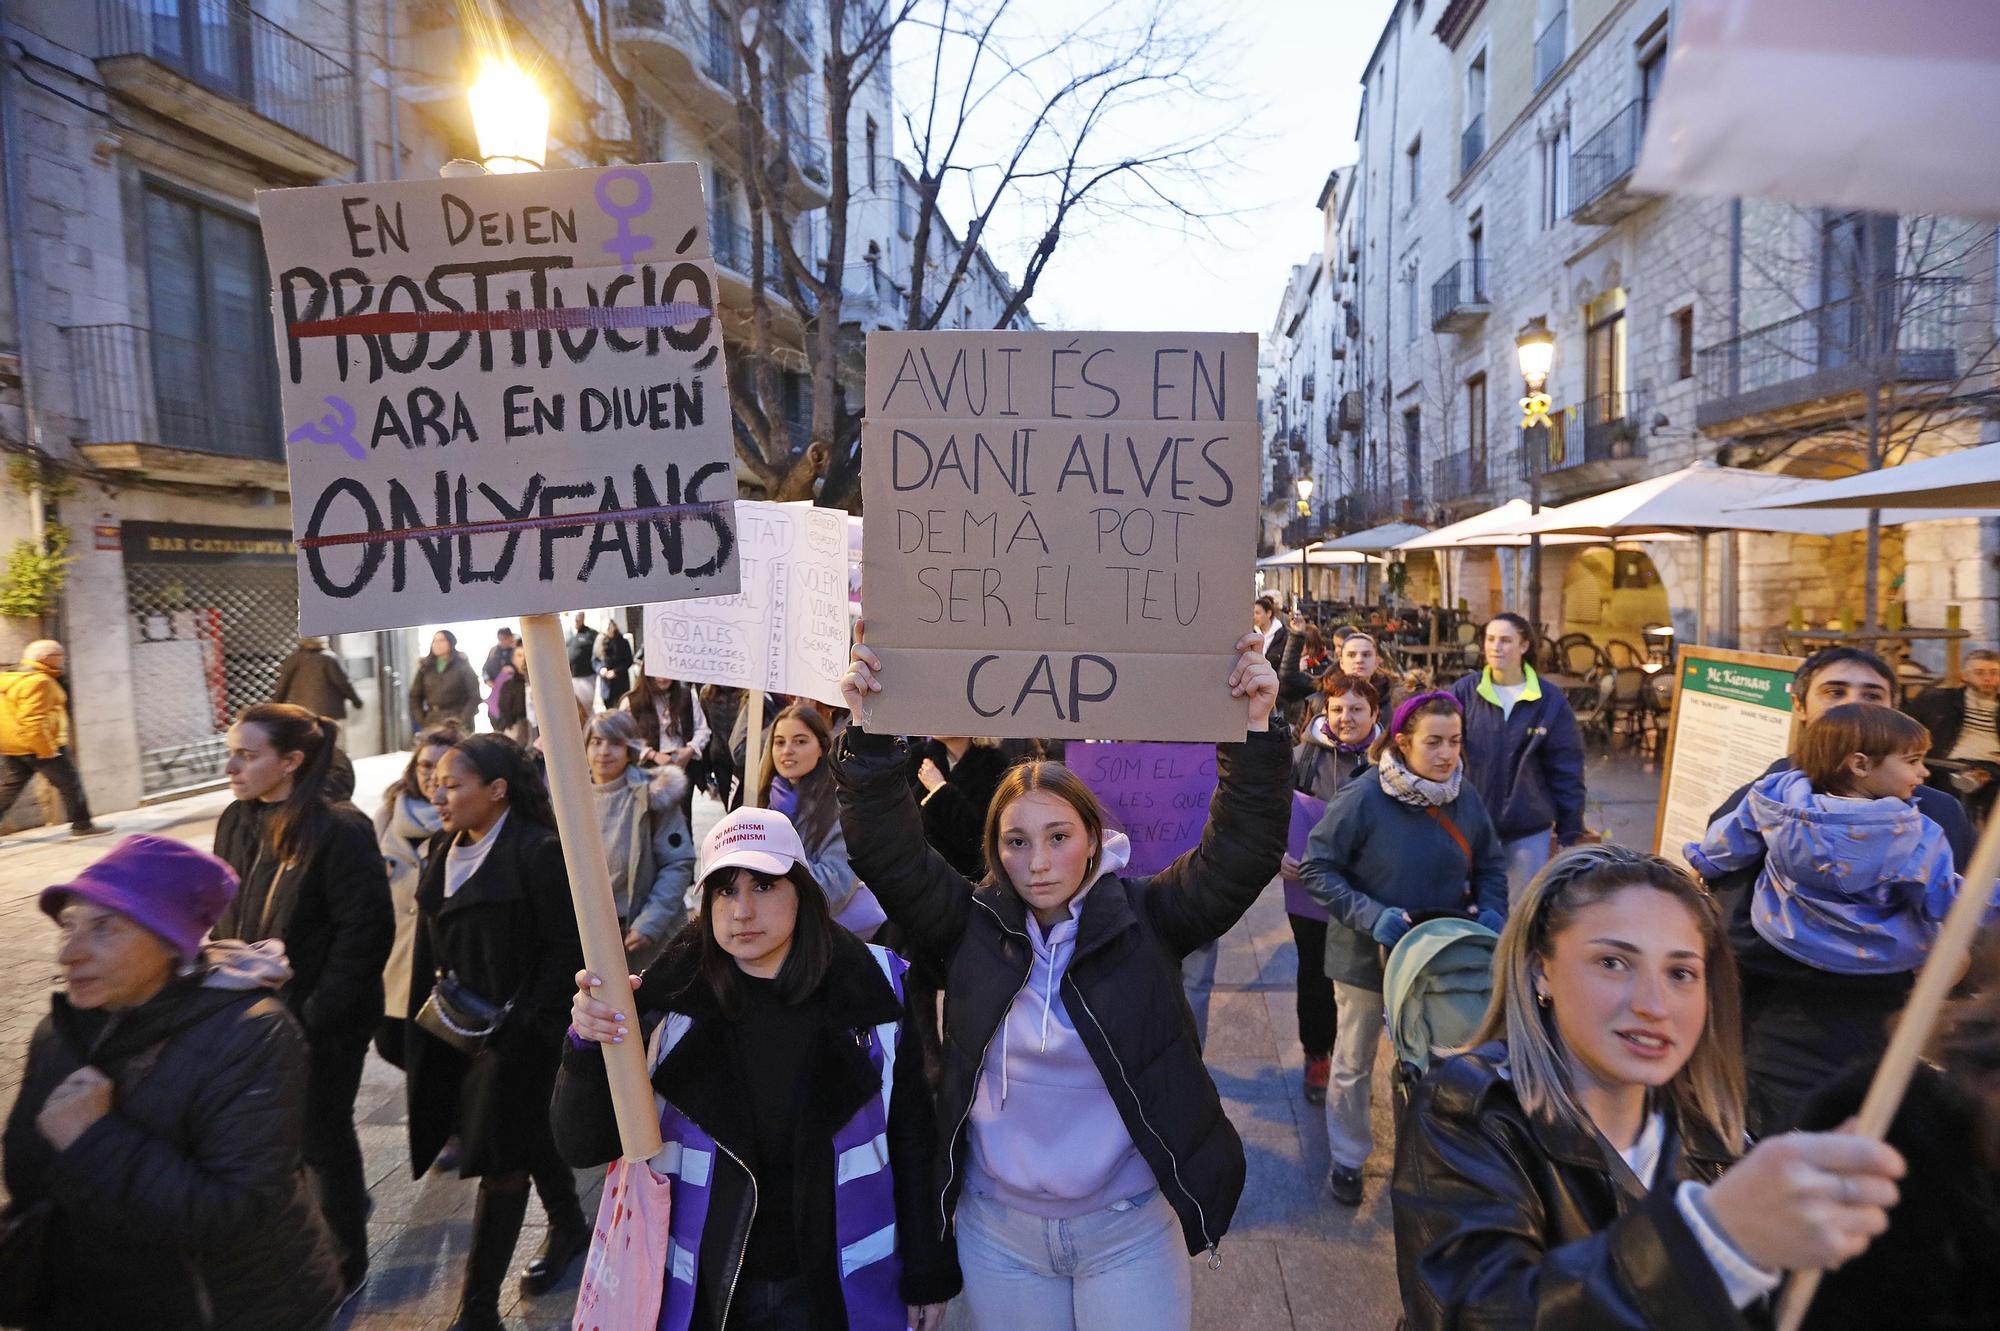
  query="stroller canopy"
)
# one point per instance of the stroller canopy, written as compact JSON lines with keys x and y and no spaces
{"x":1435,"y":987}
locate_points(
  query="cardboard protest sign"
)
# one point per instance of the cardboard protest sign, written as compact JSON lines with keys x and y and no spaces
{"x":785,"y":629}
{"x":1732,"y":719}
{"x":503,"y":394}
{"x":1156,"y":794}
{"x":1056,"y":528}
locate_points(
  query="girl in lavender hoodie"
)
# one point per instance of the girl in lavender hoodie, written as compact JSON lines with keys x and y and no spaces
{"x":1084,"y":1151}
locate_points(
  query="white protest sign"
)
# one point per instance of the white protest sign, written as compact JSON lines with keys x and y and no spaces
{"x":785,"y":629}
{"x":503,"y":394}
{"x":1056,"y":529}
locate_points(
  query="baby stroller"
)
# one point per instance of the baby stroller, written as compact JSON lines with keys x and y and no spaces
{"x":1435,"y":987}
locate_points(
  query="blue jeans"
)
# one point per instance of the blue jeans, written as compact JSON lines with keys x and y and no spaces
{"x":1525,"y":857}
{"x":1121,"y":1269}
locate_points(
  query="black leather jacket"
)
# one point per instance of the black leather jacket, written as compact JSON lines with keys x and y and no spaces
{"x":1503,"y":1220}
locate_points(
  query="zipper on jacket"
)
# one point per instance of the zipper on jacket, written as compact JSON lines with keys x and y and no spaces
{"x":951,"y":1156}
{"x":743,"y":1250}
{"x":1214,"y":1245}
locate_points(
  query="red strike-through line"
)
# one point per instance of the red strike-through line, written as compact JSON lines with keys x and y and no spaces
{"x":671,"y":315}
{"x":510,"y":524}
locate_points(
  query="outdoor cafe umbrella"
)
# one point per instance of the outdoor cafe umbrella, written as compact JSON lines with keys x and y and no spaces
{"x":1698,"y":500}
{"x":1968,"y":480}
{"x":1498,"y":526}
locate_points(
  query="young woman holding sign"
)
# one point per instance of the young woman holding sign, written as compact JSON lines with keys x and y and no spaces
{"x":799,"y":1131}
{"x":1573,"y":1168}
{"x":795,"y":779}
{"x":1079,"y":1118}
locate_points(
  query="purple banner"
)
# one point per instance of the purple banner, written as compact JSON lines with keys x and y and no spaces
{"x":1156,"y":794}
{"x":1306,"y":813}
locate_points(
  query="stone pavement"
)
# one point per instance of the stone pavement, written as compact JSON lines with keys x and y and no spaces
{"x":1292,"y":1258}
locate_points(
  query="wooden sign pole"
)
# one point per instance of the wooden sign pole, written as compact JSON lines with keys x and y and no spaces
{"x":589,"y":876}
{"x":1913,"y":1029}
{"x":753,"y":746}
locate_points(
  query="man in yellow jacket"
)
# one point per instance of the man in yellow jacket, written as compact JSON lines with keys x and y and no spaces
{"x":34,"y":725}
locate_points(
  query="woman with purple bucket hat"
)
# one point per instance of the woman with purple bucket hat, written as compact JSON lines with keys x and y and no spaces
{"x":153,"y":1155}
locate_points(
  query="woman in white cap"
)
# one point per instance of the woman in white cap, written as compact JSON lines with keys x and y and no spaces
{"x":155,"y":1145}
{"x":798,"y":1143}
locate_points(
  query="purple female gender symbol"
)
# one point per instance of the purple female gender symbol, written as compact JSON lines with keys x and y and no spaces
{"x":626,"y":245}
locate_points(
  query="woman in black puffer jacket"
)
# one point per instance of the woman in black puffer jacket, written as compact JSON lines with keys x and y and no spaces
{"x":159,"y":1122}
{"x":1073,"y":1087}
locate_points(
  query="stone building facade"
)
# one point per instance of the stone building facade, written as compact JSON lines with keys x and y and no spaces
{"x":138,"y":399}
{"x":1491,"y":186}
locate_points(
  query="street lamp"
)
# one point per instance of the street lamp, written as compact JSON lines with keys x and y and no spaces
{"x":510,"y":117}
{"x":1535,"y":346}
{"x":1304,"y":485}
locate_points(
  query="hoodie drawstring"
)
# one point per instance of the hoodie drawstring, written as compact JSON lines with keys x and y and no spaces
{"x":1048,"y":1008}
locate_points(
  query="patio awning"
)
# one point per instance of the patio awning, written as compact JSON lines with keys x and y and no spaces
{"x":1498,"y":527}
{"x":1703,"y":498}
{"x":1317,"y":556}
{"x":1378,"y":540}
{"x":1968,"y":480}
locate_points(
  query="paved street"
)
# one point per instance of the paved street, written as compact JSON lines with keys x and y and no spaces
{"x":1292,"y":1259}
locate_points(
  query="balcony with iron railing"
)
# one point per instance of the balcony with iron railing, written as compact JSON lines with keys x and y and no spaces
{"x":1459,"y":476}
{"x":1817,"y":364}
{"x":1459,"y":301}
{"x":225,"y":71}
{"x":1472,"y":144}
{"x":1610,"y":424}
{"x":1551,"y":48}
{"x":1600,"y":170}
{"x":137,"y":390}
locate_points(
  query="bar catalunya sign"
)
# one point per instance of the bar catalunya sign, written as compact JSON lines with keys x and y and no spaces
{"x":503,"y":394}
{"x":1055,"y":531}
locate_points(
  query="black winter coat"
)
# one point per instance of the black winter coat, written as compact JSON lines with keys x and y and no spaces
{"x":1935,"y":1267}
{"x":451,"y":694}
{"x":509,"y":933}
{"x":332,"y":910}
{"x":700,"y":1077}
{"x":1507,"y":1219}
{"x":615,"y":655}
{"x":1123,"y":983}
{"x":314,"y":680}
{"x":187,"y":1206}
{"x":955,"y":816}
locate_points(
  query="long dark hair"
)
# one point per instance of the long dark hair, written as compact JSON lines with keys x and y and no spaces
{"x":302,"y":819}
{"x":805,"y":966}
{"x":819,"y":811}
{"x":445,"y":734}
{"x":497,"y":758}
{"x":646,"y":702}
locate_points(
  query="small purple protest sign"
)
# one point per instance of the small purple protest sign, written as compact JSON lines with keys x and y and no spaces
{"x":1306,"y":813}
{"x":1156,"y":794}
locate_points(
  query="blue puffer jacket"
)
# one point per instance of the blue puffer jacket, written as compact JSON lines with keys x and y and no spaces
{"x":1853,"y":886}
{"x":1528,"y":766}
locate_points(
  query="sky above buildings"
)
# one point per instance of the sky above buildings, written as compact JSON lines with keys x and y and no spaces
{"x":1290,"y":71}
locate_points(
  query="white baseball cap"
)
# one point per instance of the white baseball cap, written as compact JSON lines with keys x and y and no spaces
{"x":760,"y":840}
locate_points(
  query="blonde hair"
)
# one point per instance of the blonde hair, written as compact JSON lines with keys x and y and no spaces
{"x":1708,"y":1089}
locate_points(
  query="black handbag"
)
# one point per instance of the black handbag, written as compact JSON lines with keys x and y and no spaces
{"x":459,"y":1017}
{"x":24,"y":1270}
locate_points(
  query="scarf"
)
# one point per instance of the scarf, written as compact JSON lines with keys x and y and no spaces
{"x":784,"y":798}
{"x":1418,"y":792}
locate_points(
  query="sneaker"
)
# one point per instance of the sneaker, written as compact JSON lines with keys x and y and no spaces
{"x":89,"y":829}
{"x":1318,"y":1070}
{"x":1345,"y":1185}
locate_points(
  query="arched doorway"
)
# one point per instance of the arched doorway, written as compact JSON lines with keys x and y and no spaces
{"x":1613,"y":594}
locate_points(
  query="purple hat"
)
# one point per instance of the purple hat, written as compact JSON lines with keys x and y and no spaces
{"x":164,"y":886}
{"x":1412,"y":703}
